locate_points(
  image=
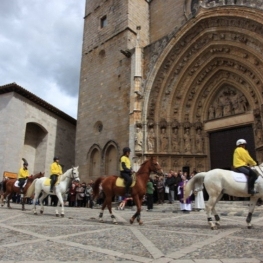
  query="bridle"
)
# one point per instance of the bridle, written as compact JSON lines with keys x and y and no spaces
{"x":157,"y":171}
{"x":74,"y":175}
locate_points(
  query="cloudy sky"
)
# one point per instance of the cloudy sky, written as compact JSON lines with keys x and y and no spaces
{"x":40,"y":48}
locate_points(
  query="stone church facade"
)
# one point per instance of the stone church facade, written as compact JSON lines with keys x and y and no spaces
{"x":181,"y":80}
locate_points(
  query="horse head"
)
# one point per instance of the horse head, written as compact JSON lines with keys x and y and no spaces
{"x":155,"y":166}
{"x":75,"y":174}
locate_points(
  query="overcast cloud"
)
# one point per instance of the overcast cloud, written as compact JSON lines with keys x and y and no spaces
{"x":40,"y":48}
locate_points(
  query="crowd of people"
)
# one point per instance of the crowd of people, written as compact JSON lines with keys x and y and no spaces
{"x":170,"y":188}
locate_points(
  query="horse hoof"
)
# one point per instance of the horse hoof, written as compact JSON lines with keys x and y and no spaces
{"x":41,"y":212}
{"x":214,"y":227}
{"x":35,"y":214}
{"x":62,"y":215}
{"x":57,"y":215}
{"x":249,"y":227}
{"x":140,"y":223}
{"x":131,"y":221}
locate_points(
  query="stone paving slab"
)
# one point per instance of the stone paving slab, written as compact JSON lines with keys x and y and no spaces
{"x":165,"y":237}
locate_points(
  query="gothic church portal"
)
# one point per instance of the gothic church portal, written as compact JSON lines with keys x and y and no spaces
{"x":178,"y":79}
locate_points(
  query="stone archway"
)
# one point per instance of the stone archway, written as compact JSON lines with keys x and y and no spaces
{"x":212,"y":60}
{"x":111,"y":159}
{"x":35,"y":146}
{"x":94,"y":162}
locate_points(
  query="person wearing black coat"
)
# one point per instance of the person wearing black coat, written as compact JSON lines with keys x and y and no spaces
{"x":170,"y":182}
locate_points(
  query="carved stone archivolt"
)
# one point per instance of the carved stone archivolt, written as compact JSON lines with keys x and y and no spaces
{"x":213,"y":70}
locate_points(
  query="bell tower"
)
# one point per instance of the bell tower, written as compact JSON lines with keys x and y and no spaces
{"x":109,"y":94}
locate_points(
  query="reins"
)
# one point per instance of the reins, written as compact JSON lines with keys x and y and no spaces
{"x":261,"y":174}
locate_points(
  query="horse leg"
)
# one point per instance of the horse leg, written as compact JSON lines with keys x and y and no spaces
{"x":102,"y":210}
{"x":8,"y":198}
{"x":34,"y":204}
{"x":41,"y":199}
{"x":60,"y":201}
{"x":137,"y":214}
{"x":108,"y":200}
{"x":22,"y":201}
{"x":2,"y":200}
{"x":209,"y":206}
{"x":217,"y":218}
{"x":252,"y":204}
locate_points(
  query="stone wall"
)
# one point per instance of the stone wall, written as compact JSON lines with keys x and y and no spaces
{"x":30,"y":131}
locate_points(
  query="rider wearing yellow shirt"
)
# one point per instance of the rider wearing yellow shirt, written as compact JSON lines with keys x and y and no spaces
{"x":23,"y":174}
{"x":241,"y":161}
{"x":55,"y":171}
{"x":126,"y":170}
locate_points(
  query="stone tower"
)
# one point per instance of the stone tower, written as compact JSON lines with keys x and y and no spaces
{"x":176,"y":79}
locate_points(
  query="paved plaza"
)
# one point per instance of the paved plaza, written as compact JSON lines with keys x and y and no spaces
{"x":167,"y":235}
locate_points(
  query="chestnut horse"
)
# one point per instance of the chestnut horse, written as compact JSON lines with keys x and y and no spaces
{"x":10,"y":189}
{"x":109,"y":188}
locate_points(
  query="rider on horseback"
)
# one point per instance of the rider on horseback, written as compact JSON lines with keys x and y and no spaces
{"x":241,"y":160}
{"x":126,"y":170}
{"x":23,"y":174}
{"x":55,"y":171}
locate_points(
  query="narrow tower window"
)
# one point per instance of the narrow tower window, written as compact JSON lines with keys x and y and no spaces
{"x":103,"y":21}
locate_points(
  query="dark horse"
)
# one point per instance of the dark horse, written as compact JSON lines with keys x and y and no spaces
{"x":10,"y":189}
{"x":109,"y":188}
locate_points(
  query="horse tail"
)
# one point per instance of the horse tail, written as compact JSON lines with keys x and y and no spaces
{"x":31,"y":189}
{"x":4,"y":185}
{"x":194,"y":184}
{"x":96,"y":186}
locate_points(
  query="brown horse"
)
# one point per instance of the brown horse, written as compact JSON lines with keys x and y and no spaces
{"x":109,"y":188}
{"x":10,"y":189}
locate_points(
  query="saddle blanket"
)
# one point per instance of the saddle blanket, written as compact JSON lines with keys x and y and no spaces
{"x":120,"y":182}
{"x":47,"y":182}
{"x":239,"y":177}
{"x":17,"y":183}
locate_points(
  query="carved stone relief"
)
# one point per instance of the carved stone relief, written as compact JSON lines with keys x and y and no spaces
{"x":228,"y":102}
{"x":258,"y":127}
{"x":138,"y":138}
{"x":187,"y":141}
{"x":151,"y":137}
{"x":199,"y":141}
{"x":164,"y":138}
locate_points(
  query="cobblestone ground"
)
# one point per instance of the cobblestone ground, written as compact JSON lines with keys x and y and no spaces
{"x":167,"y":235}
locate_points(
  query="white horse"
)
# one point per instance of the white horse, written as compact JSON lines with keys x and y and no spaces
{"x":218,"y":182}
{"x":60,"y":189}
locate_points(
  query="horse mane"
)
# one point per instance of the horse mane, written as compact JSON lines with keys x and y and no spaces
{"x":143,"y":164}
{"x":64,"y":175}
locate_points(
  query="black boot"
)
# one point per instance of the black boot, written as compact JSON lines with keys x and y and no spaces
{"x":127,"y":194}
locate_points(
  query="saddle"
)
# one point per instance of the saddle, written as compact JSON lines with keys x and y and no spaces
{"x":121,"y":183}
{"x":47,"y":181}
{"x":17,"y":183}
